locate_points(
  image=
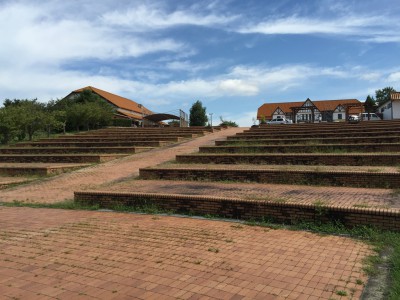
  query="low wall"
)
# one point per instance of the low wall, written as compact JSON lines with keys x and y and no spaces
{"x":289,"y":213}
{"x":372,"y":147}
{"x":343,"y":178}
{"x":380,"y":159}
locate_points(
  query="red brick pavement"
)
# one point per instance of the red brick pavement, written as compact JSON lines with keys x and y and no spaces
{"x":60,"y":254}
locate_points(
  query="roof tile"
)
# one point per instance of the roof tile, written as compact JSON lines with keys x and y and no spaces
{"x":118,"y":101}
{"x":268,"y":109}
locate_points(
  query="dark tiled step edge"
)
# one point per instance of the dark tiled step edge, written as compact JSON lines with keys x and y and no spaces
{"x":308,"y":148}
{"x":348,"y":159}
{"x":332,"y":178}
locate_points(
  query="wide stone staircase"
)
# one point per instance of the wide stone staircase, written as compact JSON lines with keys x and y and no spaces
{"x":26,"y":161}
{"x":286,"y":173}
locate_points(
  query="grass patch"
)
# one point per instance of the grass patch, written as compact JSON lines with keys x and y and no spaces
{"x":361,"y":205}
{"x":341,"y":293}
{"x":380,"y":239}
{"x":67,"y":204}
{"x":213,"y":249}
{"x":395,"y":193}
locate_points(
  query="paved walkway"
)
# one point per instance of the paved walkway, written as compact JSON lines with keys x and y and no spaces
{"x":62,"y":187}
{"x":61,"y":254}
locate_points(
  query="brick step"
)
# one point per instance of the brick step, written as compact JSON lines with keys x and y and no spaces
{"x":246,"y":209}
{"x":118,"y":131}
{"x":314,"y":135}
{"x":311,"y":141}
{"x":348,"y":159}
{"x":58,"y":158}
{"x":276,"y":176}
{"x":128,"y":135}
{"x":110,"y":139}
{"x":191,"y":128}
{"x":321,"y":131}
{"x":327,"y":126}
{"x":69,"y":150}
{"x":6,"y":182}
{"x":335,"y":124}
{"x":131,"y":136}
{"x":56,"y":144}
{"x":38,"y":169}
{"x":326,"y":148}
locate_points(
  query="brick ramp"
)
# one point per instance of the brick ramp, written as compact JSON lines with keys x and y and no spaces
{"x":61,"y":187}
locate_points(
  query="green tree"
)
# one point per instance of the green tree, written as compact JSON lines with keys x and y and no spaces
{"x":8,"y":130}
{"x":25,"y":117}
{"x":198,"y":115}
{"x":383,"y":95}
{"x":227,"y":123}
{"x":369,"y":105}
{"x":86,"y":110}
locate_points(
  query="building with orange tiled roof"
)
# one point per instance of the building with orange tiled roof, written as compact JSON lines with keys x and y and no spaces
{"x":391,"y":109}
{"x":124,"y":107}
{"x":311,"y":110}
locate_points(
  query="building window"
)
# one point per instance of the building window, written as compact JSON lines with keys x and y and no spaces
{"x":340,"y":116}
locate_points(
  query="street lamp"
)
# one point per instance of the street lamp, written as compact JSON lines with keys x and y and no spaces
{"x":211,"y":118}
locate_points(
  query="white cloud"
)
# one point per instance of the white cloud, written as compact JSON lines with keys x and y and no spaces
{"x":187,"y":66}
{"x":238,"y":86}
{"x":30,"y":38}
{"x":296,"y":25}
{"x":144,"y":17}
{"x":394,"y":77}
{"x":366,"y":28}
{"x":371,"y":76}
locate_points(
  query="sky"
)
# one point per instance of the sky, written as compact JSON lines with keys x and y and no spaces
{"x":232,"y":55}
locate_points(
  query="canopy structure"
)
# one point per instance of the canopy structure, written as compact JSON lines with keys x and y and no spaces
{"x":171,"y":115}
{"x":161,"y":117}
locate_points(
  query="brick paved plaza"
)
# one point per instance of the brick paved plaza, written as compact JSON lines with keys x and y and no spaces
{"x":60,"y":254}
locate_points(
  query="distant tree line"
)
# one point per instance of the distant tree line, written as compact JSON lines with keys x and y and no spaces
{"x":21,"y":119}
{"x":381,"y":97}
{"x":198,"y":116}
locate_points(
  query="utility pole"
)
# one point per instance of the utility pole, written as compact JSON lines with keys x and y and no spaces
{"x":211,"y":114}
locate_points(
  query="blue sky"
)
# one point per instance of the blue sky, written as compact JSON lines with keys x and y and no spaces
{"x":233,"y":55}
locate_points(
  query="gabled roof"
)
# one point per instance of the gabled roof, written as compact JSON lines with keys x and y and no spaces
{"x":118,"y":101}
{"x":330,"y":105}
{"x":268,"y":109}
